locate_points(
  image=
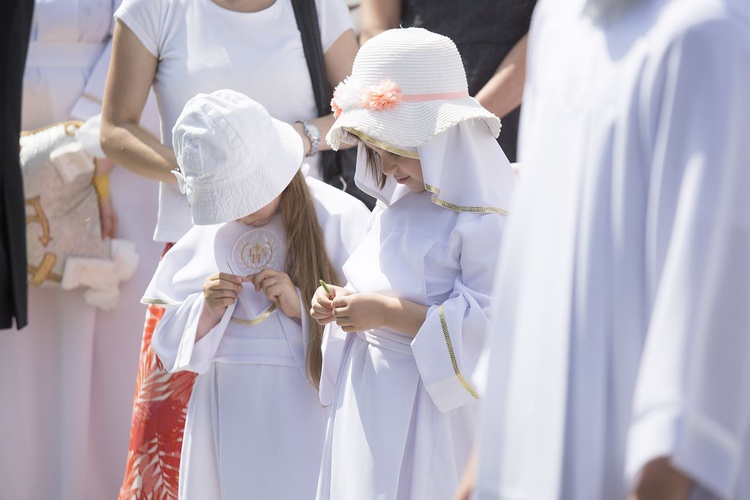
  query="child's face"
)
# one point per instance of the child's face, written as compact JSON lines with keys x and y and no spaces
{"x":262,"y":216}
{"x":407,"y":171}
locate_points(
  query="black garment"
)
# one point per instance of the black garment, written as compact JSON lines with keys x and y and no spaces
{"x":484,"y":32}
{"x":15,"y":25}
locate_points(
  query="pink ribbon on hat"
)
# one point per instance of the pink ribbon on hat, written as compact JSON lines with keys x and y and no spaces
{"x":385,"y":95}
{"x":434,"y":97}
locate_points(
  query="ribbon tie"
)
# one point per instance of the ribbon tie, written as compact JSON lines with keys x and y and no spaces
{"x":186,"y":184}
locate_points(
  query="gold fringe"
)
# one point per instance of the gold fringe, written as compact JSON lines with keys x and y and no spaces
{"x":460,"y":208}
{"x":383,"y":145}
{"x":71,"y":126}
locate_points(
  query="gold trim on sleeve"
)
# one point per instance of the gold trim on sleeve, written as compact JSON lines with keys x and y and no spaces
{"x":257,"y":320}
{"x":444,"y":325}
{"x":459,"y":208}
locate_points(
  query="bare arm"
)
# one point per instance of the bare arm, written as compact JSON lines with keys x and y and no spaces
{"x":338,"y":60}
{"x":377,"y":16}
{"x":661,"y":481}
{"x":503,"y":92}
{"x":129,"y":80}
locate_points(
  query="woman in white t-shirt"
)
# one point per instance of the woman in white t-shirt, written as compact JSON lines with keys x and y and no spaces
{"x":182,"y":48}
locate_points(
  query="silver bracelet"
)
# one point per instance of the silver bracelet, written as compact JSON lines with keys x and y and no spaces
{"x":313,"y":133}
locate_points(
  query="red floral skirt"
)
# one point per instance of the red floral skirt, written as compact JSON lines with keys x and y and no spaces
{"x":159,"y":412}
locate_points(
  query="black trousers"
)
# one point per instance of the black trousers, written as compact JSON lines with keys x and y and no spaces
{"x":15,"y":25}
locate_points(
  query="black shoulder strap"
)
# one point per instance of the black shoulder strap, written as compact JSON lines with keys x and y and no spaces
{"x":307,"y":23}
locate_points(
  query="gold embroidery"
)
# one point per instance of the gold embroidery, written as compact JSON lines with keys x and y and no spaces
{"x":460,"y":377}
{"x":71,"y":126}
{"x":459,"y":208}
{"x":44,"y":271}
{"x":383,"y":145}
{"x":256,"y":257}
{"x":40,"y":218}
{"x":257,"y":320}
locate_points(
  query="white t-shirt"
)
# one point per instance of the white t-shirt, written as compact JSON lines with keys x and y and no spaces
{"x":202,"y":47}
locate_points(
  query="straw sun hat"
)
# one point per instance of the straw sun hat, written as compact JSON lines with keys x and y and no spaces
{"x":407,"y":86}
{"x":234,"y":158}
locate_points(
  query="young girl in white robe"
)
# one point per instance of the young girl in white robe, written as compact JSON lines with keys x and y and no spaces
{"x":404,"y":336}
{"x":235,"y":288}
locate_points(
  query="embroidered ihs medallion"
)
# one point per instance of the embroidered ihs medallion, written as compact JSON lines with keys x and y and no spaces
{"x":257,"y":250}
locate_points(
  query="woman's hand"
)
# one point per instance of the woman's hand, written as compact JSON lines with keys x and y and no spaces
{"x":321,"y":308}
{"x":108,"y":217}
{"x":660,"y":480}
{"x":280,"y":290}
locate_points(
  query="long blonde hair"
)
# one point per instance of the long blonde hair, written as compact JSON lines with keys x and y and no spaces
{"x":307,"y":261}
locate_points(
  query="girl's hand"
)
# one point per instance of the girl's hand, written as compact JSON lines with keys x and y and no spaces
{"x":321,"y":308}
{"x":360,"y":311}
{"x":280,"y":290}
{"x":220,"y":291}
{"x":356,"y":312}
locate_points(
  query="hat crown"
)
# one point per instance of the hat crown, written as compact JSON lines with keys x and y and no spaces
{"x":234,"y":158}
{"x":216,"y":134}
{"x":417,"y":60}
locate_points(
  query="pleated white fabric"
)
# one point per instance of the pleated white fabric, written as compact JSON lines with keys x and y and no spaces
{"x":623,"y":330}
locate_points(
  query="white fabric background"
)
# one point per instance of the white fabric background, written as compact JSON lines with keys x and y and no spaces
{"x":623,"y":327}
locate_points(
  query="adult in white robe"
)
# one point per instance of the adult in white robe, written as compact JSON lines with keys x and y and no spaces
{"x":66,"y":380}
{"x":623,"y":328}
{"x":255,"y":425}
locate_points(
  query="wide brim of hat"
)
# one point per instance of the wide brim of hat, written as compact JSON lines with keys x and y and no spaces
{"x":237,"y":198}
{"x":410,"y":124}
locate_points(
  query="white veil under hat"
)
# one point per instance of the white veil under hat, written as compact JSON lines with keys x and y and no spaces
{"x":464,"y":169}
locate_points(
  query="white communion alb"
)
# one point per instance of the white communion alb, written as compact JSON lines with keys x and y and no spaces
{"x":403,"y":410}
{"x":255,"y":424}
{"x":623,"y":327}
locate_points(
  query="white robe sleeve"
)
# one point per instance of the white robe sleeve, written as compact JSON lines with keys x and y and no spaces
{"x":448,"y":346}
{"x":692,"y":399}
{"x":174,"y":338}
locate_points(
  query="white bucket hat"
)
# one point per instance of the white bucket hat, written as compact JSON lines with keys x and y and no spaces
{"x":234,"y":158}
{"x":407,"y":86}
